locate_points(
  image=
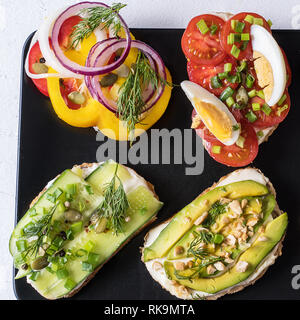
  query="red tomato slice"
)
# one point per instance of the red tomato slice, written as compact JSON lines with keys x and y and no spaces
{"x":288,"y":69}
{"x":227,"y":29}
{"x":234,"y":156}
{"x":67,"y":86}
{"x":274,"y":118}
{"x":66,"y":30}
{"x":203,"y":48}
{"x":35,"y":55}
{"x":201,"y":74}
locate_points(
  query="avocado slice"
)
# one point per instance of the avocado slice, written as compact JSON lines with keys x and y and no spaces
{"x":185,"y":218}
{"x":267,"y":205}
{"x":254,"y":256}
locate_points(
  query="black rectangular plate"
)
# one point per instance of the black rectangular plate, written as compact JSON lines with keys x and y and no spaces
{"x":47,"y":146}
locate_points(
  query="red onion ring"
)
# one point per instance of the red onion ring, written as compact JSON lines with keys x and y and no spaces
{"x":71,"y":65}
{"x":153,"y":57}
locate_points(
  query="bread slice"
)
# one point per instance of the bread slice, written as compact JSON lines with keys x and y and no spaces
{"x":182,"y":292}
{"x":87,"y":168}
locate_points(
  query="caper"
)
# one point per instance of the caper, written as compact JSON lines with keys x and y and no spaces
{"x":242,"y":96}
{"x":101,"y":225}
{"x":119,"y":53}
{"x":39,"y":68}
{"x":60,"y":253}
{"x":39,"y":263}
{"x":42,"y":60}
{"x":72,"y":215}
{"x":122,"y":71}
{"x":76,"y":97}
{"x":108,"y":80}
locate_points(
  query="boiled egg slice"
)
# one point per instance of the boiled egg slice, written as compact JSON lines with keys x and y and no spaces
{"x":269,"y":64}
{"x":213,"y":112}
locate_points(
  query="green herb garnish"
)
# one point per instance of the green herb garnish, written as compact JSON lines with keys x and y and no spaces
{"x":115,"y":204}
{"x":130,"y":102}
{"x":40,"y":228}
{"x":95,"y":16}
{"x":216,"y":209}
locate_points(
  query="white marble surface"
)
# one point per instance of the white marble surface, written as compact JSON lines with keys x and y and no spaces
{"x":18,"y":18}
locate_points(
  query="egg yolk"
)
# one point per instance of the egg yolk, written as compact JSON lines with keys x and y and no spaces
{"x":216,"y":121}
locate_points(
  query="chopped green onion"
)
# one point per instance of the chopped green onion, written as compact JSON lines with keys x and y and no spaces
{"x":266,"y":109}
{"x":252,"y":93}
{"x":216,"y":149}
{"x":230,"y":38}
{"x":240,"y":142}
{"x":70,"y":235}
{"x":230,"y":102}
{"x":245,"y":36}
{"x":69,"y":284}
{"x":251,"y":116}
{"x":228,"y":92}
{"x":235,"y":51}
{"x":80,"y":253}
{"x":89,"y":246}
{"x":49,"y":270}
{"x":71,"y":189}
{"x":223,"y":75}
{"x":235,"y":127}
{"x":255,"y":106}
{"x":93,"y":258}
{"x":244,"y":45}
{"x":62,"y":273}
{"x":87,"y":266}
{"x":89,"y":189}
{"x":259,"y":134}
{"x":202,"y":26}
{"x":34,"y":275}
{"x":32,"y":212}
{"x":249,"y":18}
{"x":215,"y":82}
{"x":218,"y":238}
{"x":233,"y":24}
{"x":213,"y":29}
{"x":57,"y":193}
{"x":280,"y":110}
{"x":227,"y":67}
{"x":239,"y":27}
{"x":76,"y":227}
{"x":270,"y":23}
{"x":242,"y":66}
{"x":237,"y":106}
{"x":261,"y":94}
{"x":21,"y":245}
{"x":54,"y":267}
{"x":249,"y":81}
{"x":258,"y":21}
{"x":282,"y":99}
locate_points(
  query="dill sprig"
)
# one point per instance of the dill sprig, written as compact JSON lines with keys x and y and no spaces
{"x":130,"y":102}
{"x":93,"y":17}
{"x":115,"y":204}
{"x":216,"y":209}
{"x":39,"y":229}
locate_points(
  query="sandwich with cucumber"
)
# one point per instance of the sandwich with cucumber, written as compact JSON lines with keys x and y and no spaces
{"x":220,"y":243}
{"x":78,"y":222}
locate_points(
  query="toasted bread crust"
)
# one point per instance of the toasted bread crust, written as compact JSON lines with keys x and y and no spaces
{"x":92,"y":275}
{"x":276,"y":252}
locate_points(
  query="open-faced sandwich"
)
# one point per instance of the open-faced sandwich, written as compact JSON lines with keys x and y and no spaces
{"x":239,"y":78}
{"x":95,"y":72}
{"x":77,"y":223}
{"x":221,"y":242}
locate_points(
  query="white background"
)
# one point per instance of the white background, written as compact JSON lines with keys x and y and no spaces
{"x":18,"y":18}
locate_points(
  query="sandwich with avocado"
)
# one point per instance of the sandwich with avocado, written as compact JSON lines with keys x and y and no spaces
{"x":79,"y":221}
{"x":221,"y":242}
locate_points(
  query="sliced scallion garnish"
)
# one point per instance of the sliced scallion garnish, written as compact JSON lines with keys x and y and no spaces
{"x":266,"y":109}
{"x":202,"y":26}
